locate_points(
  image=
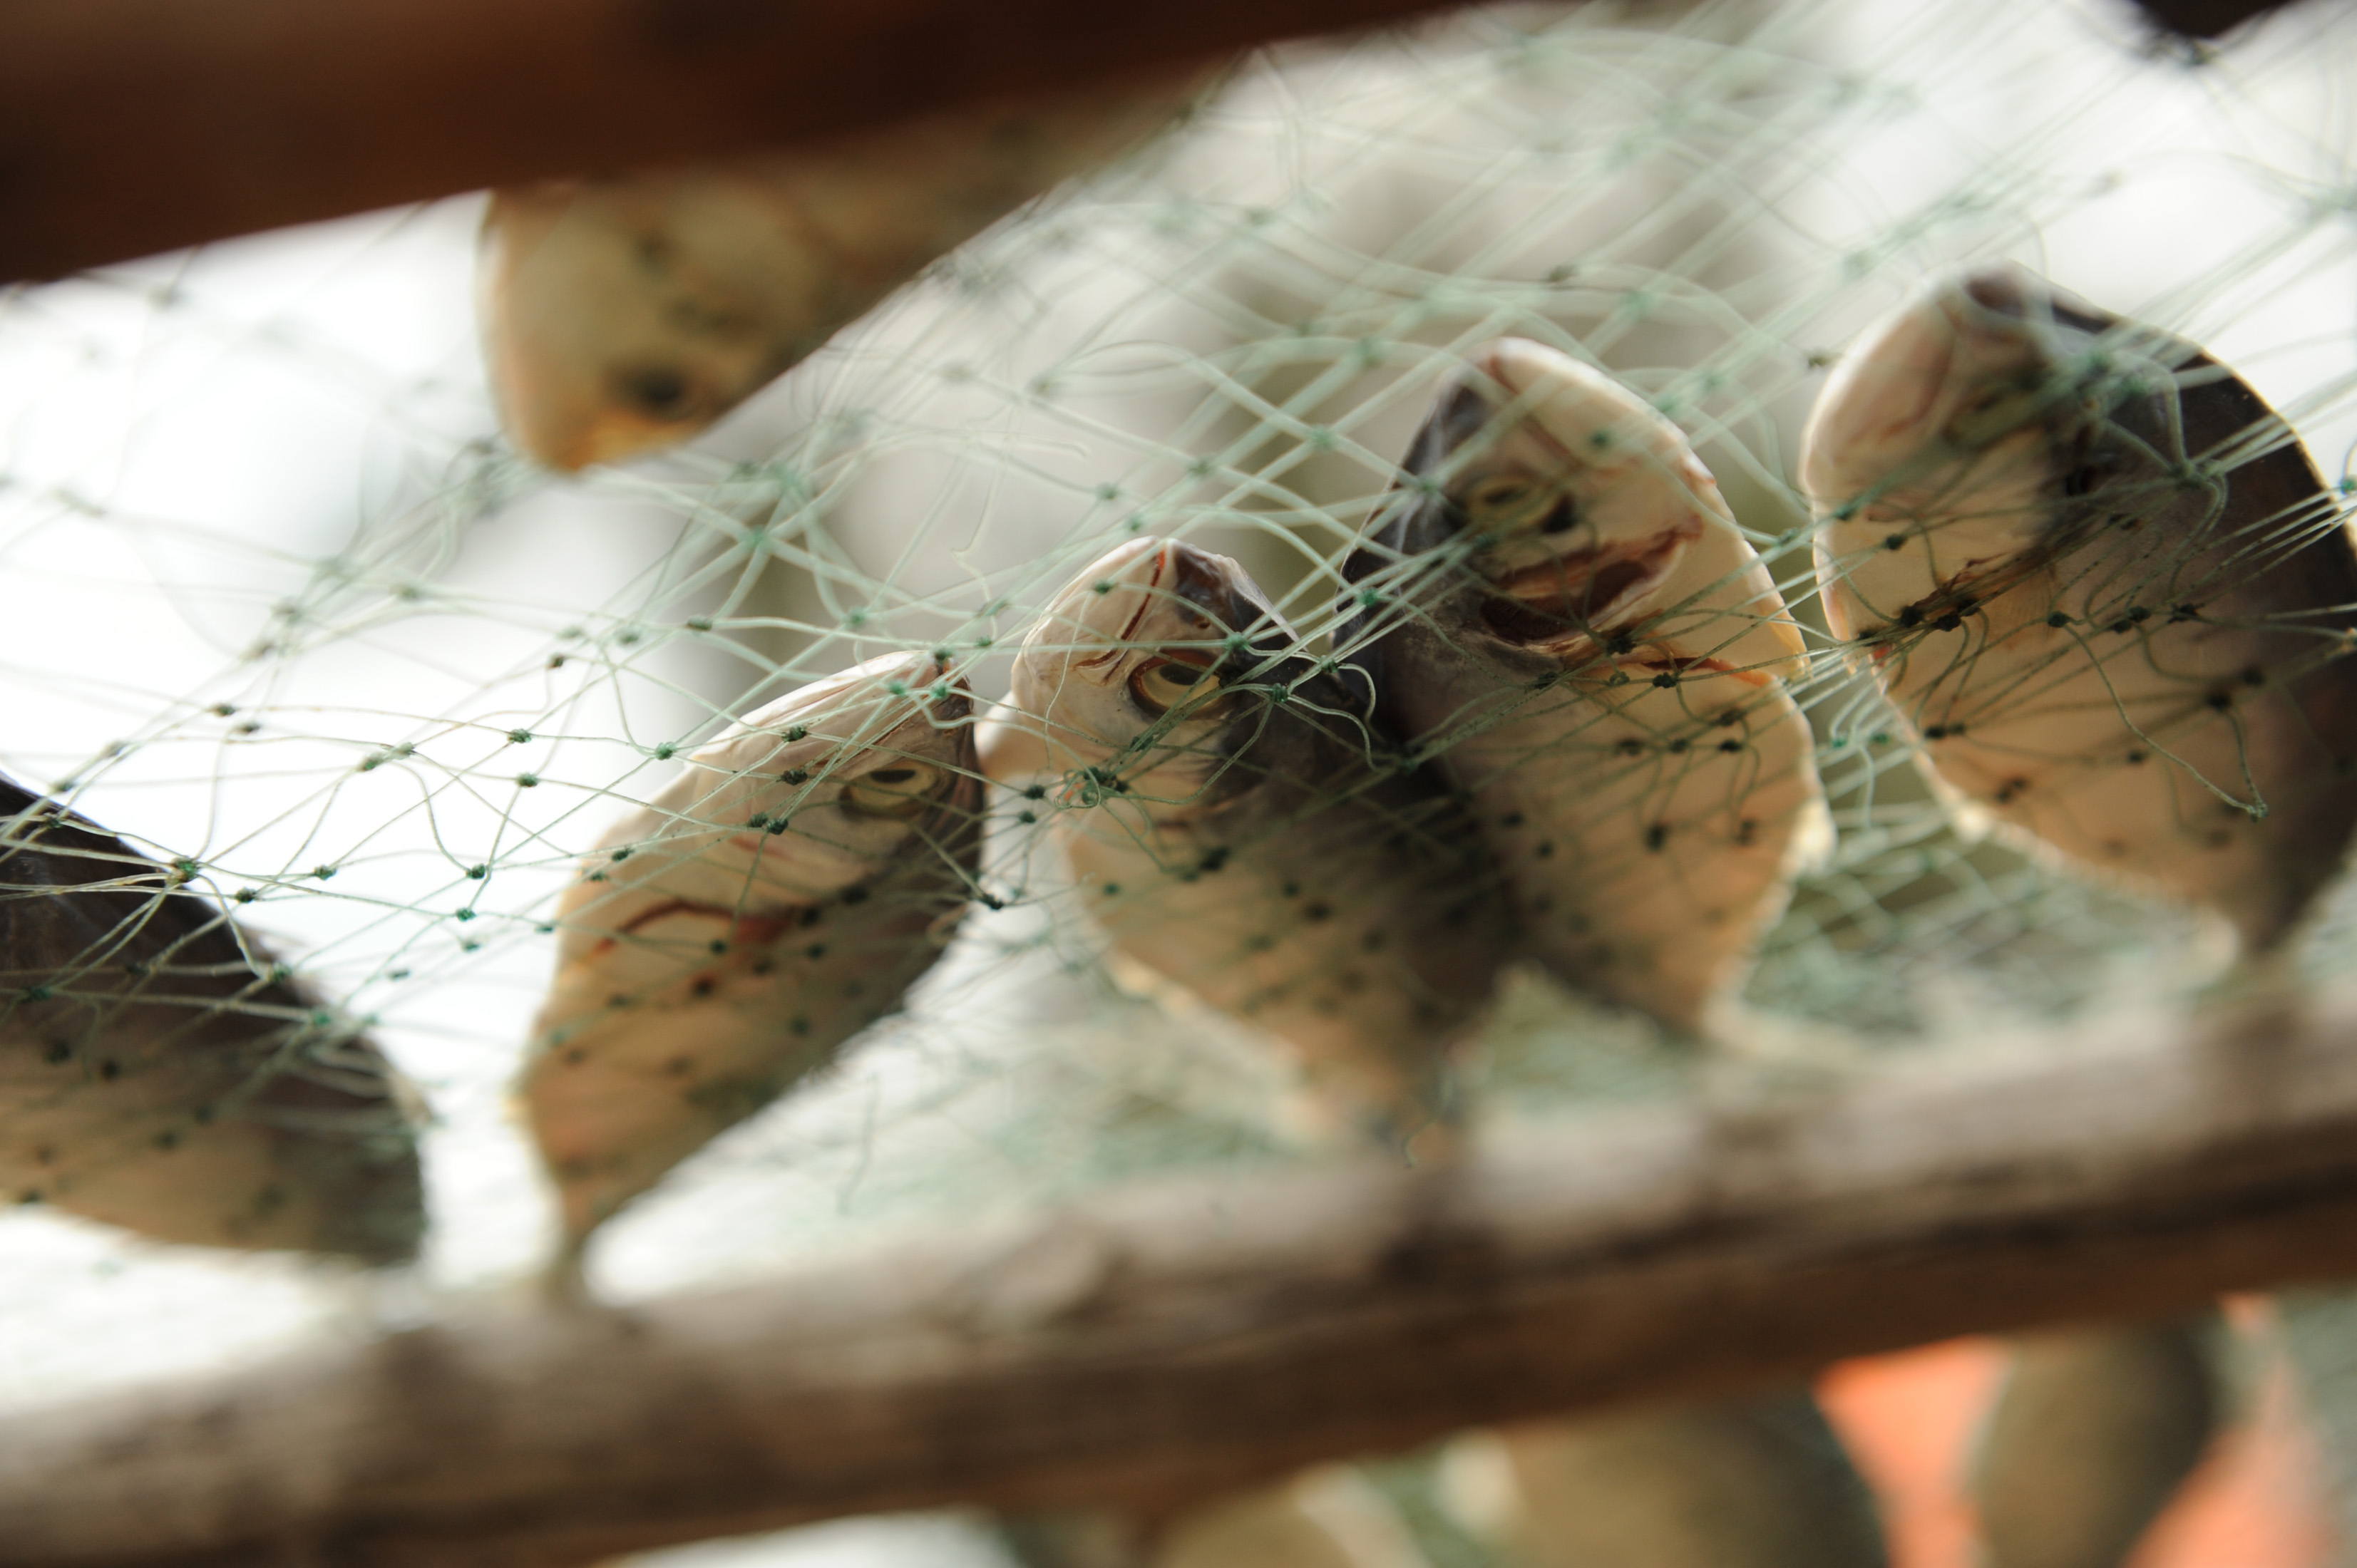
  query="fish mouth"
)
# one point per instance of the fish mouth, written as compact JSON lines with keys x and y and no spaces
{"x":1572,"y":598}
{"x":1963,"y":593}
{"x":1198,"y":589}
{"x":2017,"y":297}
{"x":2000,"y":290}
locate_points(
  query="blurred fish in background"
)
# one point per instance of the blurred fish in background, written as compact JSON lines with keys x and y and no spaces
{"x":621,"y":316}
{"x":160,"y":1070}
{"x":1759,"y":1483}
{"x":1327,"y":1517}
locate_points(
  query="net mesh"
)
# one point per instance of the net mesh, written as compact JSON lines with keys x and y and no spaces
{"x":289,"y":616}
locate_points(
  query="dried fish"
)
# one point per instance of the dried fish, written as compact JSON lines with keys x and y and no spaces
{"x":1761,"y":1482}
{"x":2104,"y":583}
{"x":1238,"y":825}
{"x":2101,"y":579}
{"x":2090,"y":1439}
{"x":160,"y":1070}
{"x":1561,"y":609}
{"x":625,"y":315}
{"x":726,"y":938}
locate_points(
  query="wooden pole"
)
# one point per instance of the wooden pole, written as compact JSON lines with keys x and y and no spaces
{"x":133,"y":127}
{"x":1165,"y":1341}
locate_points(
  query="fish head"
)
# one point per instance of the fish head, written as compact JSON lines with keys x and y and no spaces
{"x":856,"y":767}
{"x":1585,"y":518}
{"x":621,"y":318}
{"x":1142,"y":652}
{"x":1964,"y":434}
{"x":817,"y":792}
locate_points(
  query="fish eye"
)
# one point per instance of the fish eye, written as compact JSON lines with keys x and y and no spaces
{"x":1500,"y":501}
{"x":659,"y":391}
{"x":898,"y":789}
{"x":1997,"y":412}
{"x":1162,"y":684}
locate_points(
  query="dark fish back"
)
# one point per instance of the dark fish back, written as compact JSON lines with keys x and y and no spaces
{"x":2266,"y":568}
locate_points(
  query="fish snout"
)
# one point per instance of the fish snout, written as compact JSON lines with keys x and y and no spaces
{"x":1146,"y":595}
{"x":1999,"y":289}
{"x":1592,"y":420}
{"x":1886,"y":402}
{"x":1103,"y":607}
{"x":1462,"y":412}
{"x":1217,"y":587}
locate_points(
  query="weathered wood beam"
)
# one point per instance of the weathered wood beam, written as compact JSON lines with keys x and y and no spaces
{"x":133,"y":127}
{"x":1165,"y":1340}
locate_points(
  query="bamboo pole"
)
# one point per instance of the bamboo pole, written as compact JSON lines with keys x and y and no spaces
{"x":1164,"y":1341}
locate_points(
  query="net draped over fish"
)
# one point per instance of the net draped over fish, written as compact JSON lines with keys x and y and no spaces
{"x":1819,"y":767}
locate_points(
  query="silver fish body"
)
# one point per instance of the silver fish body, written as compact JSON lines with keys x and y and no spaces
{"x":1562,"y":609}
{"x":2104,"y":583}
{"x":1761,"y":1482}
{"x":159,"y":1071}
{"x":2091,"y":1437}
{"x":726,"y":938}
{"x":622,"y":315}
{"x":1237,"y":825}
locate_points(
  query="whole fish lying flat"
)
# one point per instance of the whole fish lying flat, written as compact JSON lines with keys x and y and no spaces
{"x":1237,"y":825}
{"x":2102,"y":581}
{"x":160,"y":1071}
{"x":1761,"y":1483}
{"x":1562,"y":609}
{"x":620,"y":316}
{"x":778,"y":896}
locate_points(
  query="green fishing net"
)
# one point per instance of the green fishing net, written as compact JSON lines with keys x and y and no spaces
{"x":285,"y":613}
